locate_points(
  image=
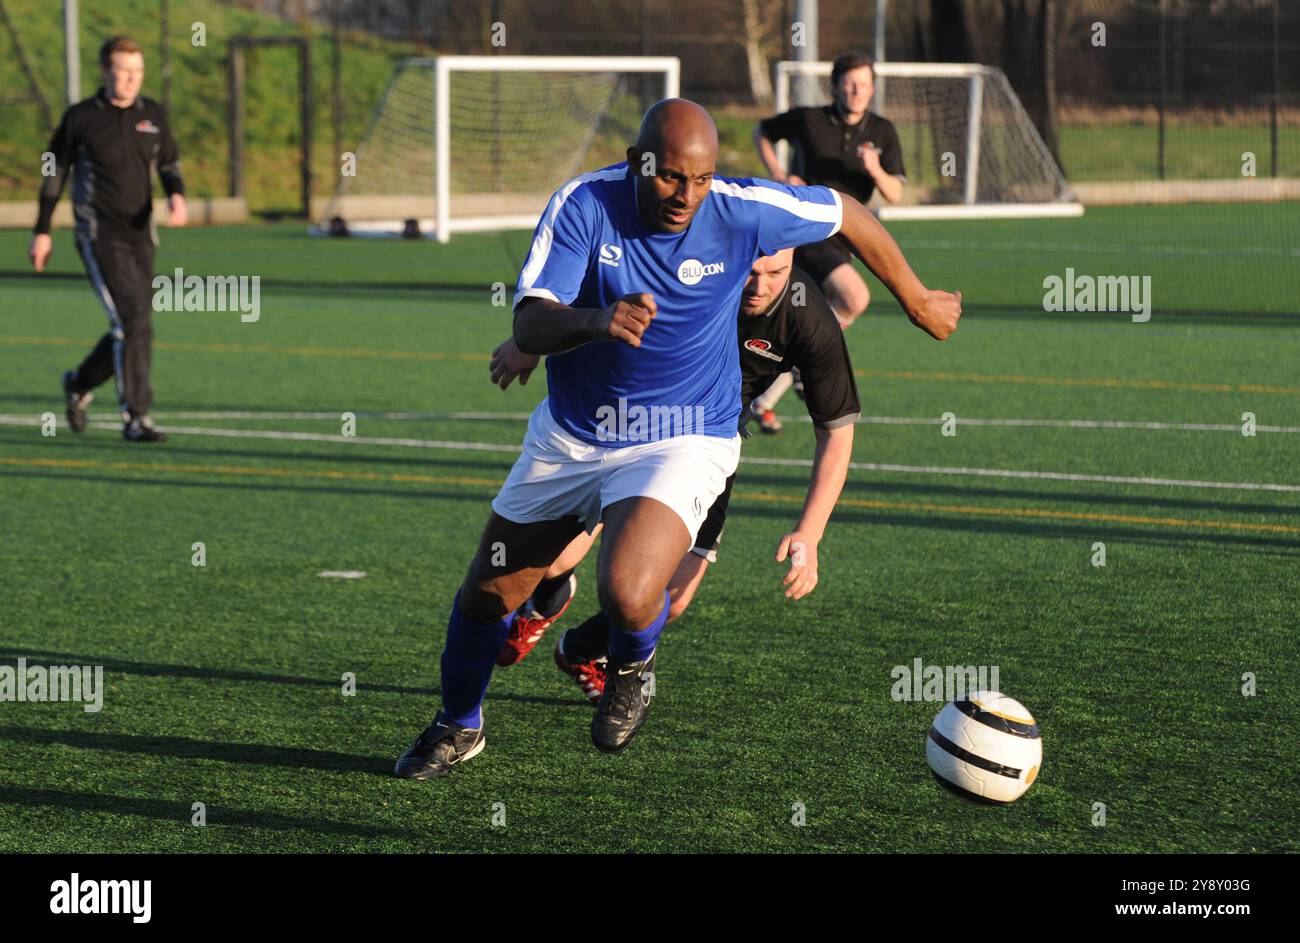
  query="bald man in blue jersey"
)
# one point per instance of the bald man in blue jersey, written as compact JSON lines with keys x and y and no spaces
{"x":631,"y":288}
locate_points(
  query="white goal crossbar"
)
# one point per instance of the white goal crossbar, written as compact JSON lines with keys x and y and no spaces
{"x":437,"y":129}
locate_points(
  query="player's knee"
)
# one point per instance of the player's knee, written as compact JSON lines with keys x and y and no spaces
{"x":484,"y":601}
{"x":631,"y":604}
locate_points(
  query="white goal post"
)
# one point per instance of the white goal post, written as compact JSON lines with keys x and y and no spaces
{"x":970,"y":150}
{"x":479,"y":143}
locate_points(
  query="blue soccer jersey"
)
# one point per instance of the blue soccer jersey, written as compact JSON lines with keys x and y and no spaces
{"x":591,"y":248}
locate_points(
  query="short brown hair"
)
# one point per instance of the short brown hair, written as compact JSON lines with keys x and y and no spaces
{"x":850,"y":61}
{"x":116,"y":44}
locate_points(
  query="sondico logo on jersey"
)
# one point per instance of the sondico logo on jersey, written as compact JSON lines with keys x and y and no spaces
{"x":610,"y":254}
{"x":692,"y":270}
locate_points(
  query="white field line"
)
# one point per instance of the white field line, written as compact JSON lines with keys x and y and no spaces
{"x":1134,"y":251}
{"x":287,"y":436}
{"x":781,"y":462}
{"x":468,"y":416}
{"x":336,"y":416}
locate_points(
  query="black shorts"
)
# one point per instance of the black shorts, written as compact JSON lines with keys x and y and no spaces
{"x":819,"y":259}
{"x":710,"y":533}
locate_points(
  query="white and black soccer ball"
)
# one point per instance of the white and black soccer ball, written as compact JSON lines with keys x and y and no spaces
{"x":986,"y":746}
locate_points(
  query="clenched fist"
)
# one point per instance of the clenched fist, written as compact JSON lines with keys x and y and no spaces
{"x":937,"y":313}
{"x":629,"y":318}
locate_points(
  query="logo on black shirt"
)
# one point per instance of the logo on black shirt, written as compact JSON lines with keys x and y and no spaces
{"x":147,"y":126}
{"x":761,"y":347}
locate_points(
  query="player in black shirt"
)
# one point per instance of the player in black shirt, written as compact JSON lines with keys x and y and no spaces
{"x":784,"y":322}
{"x":109,"y":143}
{"x":853,"y":150}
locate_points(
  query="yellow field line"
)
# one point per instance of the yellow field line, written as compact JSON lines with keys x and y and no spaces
{"x":1115,"y":382}
{"x":940,"y":376}
{"x":253,"y":471}
{"x":190,"y":347}
{"x":1034,"y":512}
{"x":336,"y":475}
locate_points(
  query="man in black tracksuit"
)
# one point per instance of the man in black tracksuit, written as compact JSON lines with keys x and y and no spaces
{"x":109,"y":143}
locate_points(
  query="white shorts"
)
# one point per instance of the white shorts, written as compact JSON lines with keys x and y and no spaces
{"x":558,"y":475}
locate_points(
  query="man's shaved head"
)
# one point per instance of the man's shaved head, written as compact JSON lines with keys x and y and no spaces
{"x":677,"y":124}
{"x":674,"y":159}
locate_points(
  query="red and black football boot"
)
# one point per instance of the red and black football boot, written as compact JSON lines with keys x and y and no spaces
{"x":529,"y":625}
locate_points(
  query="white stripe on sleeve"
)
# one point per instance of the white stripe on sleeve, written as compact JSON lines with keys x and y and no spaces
{"x":804,"y":209}
{"x":541,"y":248}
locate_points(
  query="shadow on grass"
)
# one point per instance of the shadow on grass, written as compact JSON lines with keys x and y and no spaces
{"x":1072,"y":530}
{"x":1172,"y":317}
{"x":9,"y":654}
{"x":498,"y":462}
{"x":414,"y":491}
{"x":180,"y":812}
{"x":315,"y":286}
{"x":189,"y":748}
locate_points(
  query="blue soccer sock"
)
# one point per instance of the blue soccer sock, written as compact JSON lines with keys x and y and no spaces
{"x":467,"y":662}
{"x":627,"y":646}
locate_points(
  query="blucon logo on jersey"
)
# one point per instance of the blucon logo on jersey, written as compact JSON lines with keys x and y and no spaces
{"x":761,"y":347}
{"x":610,"y":254}
{"x":692,"y":270}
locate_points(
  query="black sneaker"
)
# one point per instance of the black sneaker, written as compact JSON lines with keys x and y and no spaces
{"x":76,"y":402}
{"x":140,"y":429}
{"x":442,"y":745}
{"x":623,"y":706}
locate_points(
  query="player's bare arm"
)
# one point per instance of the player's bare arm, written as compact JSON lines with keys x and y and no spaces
{"x":767,"y":154}
{"x":543,"y":326}
{"x":830,"y":468}
{"x":935,"y":312}
{"x":509,"y":362}
{"x":178,"y":211}
{"x":42,"y":246}
{"x":889,"y":186}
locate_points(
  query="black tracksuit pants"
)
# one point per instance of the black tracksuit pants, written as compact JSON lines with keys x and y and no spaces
{"x":121,"y":275}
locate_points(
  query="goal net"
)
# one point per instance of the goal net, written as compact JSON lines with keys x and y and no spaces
{"x":478,"y":143}
{"x":969,"y":147}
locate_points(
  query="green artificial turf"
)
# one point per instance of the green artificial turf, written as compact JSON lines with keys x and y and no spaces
{"x":224,"y":682}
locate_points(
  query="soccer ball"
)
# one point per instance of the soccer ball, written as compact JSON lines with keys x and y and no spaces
{"x":986,"y":746}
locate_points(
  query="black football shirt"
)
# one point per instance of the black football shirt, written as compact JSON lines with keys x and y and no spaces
{"x":825,"y":149}
{"x":800,"y":330}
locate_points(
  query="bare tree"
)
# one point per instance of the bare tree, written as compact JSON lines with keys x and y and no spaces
{"x":763,"y":39}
